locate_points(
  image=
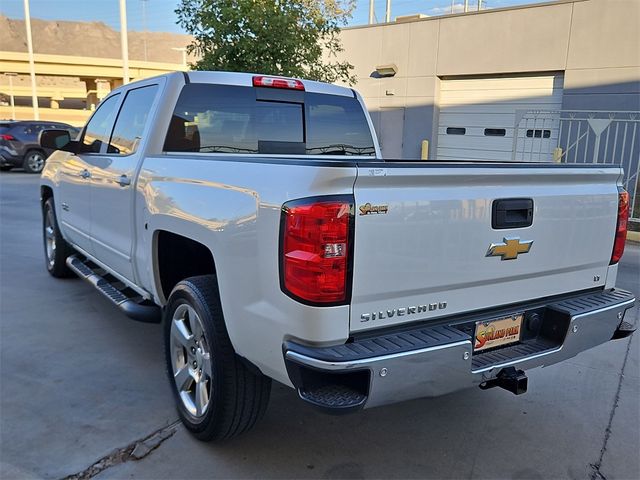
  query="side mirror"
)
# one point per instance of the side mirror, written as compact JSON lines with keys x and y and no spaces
{"x":56,"y":140}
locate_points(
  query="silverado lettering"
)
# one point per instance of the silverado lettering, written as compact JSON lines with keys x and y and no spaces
{"x":380,"y":315}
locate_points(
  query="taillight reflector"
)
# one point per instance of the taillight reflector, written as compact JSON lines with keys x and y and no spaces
{"x":277,"y":82}
{"x":316,"y":250}
{"x":6,"y":136}
{"x":621,"y":226}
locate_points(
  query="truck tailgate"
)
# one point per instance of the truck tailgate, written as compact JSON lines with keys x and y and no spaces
{"x":423,"y":234}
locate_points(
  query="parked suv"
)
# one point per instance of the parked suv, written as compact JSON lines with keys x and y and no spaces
{"x":19,"y":145}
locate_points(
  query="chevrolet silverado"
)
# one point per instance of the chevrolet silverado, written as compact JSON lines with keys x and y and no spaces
{"x":254,"y":217}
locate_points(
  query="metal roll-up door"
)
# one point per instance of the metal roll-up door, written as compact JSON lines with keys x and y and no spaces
{"x":477,"y":115}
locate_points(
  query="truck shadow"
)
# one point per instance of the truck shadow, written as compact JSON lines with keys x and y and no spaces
{"x":467,"y":434}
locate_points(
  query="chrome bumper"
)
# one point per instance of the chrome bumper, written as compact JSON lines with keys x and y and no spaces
{"x":433,"y":361}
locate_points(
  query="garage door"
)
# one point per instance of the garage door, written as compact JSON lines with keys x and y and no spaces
{"x":477,"y":116}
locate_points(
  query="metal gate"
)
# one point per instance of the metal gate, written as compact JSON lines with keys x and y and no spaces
{"x":578,"y":136}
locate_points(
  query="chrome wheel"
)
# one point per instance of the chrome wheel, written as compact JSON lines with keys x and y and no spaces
{"x":190,"y":360}
{"x":35,"y":162}
{"x":50,"y":238}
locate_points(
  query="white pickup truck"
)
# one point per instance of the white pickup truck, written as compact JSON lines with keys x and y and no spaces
{"x":255,"y":217}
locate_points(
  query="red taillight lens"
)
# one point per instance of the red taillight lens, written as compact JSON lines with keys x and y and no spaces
{"x":6,"y":136}
{"x":277,"y":82}
{"x":621,"y":228}
{"x":315,"y":250}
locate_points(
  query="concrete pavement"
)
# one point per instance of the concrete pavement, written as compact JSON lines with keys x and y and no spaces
{"x":81,"y":385}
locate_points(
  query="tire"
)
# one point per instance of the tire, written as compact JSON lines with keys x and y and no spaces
{"x":5,"y":168}
{"x":234,"y":396}
{"x":34,"y":161}
{"x":56,"y":249}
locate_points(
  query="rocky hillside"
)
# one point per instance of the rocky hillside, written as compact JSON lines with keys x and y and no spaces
{"x":89,"y":39}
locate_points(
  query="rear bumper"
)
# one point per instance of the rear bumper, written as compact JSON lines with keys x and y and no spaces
{"x":429,"y":361}
{"x":10,"y":157}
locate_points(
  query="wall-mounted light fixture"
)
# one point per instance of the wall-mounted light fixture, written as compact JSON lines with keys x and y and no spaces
{"x":387,"y":70}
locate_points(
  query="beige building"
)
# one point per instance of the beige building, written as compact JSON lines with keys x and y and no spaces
{"x":504,"y":83}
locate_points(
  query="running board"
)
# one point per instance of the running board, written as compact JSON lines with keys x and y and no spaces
{"x":128,"y":301}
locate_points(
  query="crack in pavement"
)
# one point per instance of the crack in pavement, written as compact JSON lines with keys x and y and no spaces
{"x":596,"y":474}
{"x":137,"y":450}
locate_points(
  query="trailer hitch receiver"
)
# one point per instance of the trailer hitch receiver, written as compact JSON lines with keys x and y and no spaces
{"x":515,"y":381}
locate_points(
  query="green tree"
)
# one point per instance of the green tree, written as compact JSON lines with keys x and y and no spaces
{"x":292,"y":38}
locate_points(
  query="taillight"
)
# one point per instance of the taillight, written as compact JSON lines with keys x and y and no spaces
{"x":621,"y":227}
{"x":6,"y":136}
{"x":277,"y":82}
{"x":316,"y":248}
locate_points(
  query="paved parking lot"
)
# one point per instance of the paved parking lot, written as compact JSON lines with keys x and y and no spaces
{"x":81,"y":385}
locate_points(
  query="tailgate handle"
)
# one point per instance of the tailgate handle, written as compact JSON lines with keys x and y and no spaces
{"x":512,"y":213}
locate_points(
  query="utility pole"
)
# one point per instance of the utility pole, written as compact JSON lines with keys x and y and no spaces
{"x":372,"y":11}
{"x":144,"y":26}
{"x":124,"y":41}
{"x":387,"y":14}
{"x":32,"y":65}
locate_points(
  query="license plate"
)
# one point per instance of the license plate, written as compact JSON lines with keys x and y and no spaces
{"x":498,"y":332}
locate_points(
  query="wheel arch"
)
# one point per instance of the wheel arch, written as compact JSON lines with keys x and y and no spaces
{"x":35,"y":149}
{"x":177,"y":257}
{"x":46,"y":192}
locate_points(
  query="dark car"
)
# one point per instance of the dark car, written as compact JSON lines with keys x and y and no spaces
{"x":19,"y":145}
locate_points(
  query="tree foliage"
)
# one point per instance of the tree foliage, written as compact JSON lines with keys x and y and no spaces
{"x":292,"y":38}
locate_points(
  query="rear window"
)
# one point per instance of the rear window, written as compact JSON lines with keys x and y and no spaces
{"x":233,"y":119}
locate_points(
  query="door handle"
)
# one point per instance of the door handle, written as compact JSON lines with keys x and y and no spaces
{"x":85,"y":174}
{"x":123,"y":181}
{"x":512,"y":213}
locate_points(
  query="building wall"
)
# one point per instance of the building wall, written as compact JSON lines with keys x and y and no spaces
{"x":596,"y":43}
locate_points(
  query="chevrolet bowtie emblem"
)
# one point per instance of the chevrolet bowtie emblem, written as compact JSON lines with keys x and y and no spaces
{"x":510,"y":249}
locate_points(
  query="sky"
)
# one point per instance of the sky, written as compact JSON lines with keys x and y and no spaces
{"x":160,"y":16}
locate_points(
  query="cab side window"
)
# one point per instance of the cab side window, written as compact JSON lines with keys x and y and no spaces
{"x":131,"y":121}
{"x":99,"y":127}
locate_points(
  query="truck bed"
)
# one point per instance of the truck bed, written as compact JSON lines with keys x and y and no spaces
{"x":431,"y":247}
